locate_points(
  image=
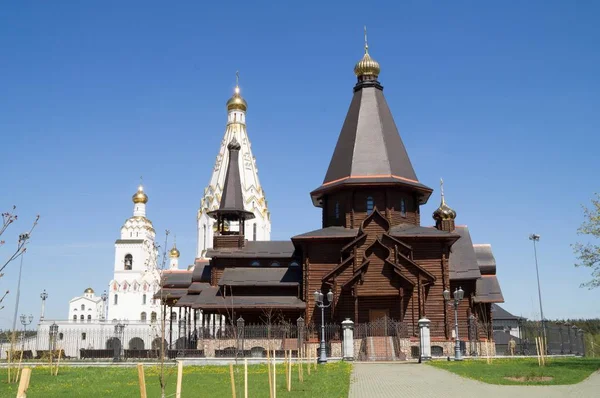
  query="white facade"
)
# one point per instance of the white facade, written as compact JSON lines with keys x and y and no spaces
{"x":86,"y":308}
{"x":258,"y":228}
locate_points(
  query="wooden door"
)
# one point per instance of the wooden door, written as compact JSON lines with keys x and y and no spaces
{"x":375,"y":315}
{"x":378,"y":320}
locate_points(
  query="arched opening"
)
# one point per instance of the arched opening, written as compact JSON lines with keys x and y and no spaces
{"x":370,"y":205}
{"x":143,"y":317}
{"x":82,"y":317}
{"x":75,"y":318}
{"x":113,"y":343}
{"x":258,"y":352}
{"x":144,"y":299}
{"x":89,"y":318}
{"x":83,"y":336}
{"x":128,"y":262}
{"x":156,"y":344}
{"x":116,"y":299}
{"x":136,"y":343}
{"x":153,"y":316}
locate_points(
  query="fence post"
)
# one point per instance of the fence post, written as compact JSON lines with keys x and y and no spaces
{"x":240,"y":335}
{"x":348,"y":340}
{"x":574,"y":339}
{"x":300,"y":325}
{"x":424,"y":340}
{"x":472,"y":335}
{"x":582,"y":342}
{"x":560,"y":333}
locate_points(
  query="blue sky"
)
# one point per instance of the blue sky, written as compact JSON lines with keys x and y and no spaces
{"x":501,"y":100}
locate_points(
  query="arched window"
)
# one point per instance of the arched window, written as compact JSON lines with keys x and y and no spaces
{"x":337,"y":210}
{"x":128,"y":262}
{"x":274,"y":264}
{"x":89,"y":318}
{"x":82,"y":307}
{"x":402,"y":207}
{"x":174,"y":315}
{"x":294,"y":264}
{"x":254,"y":231}
{"x":143,"y":317}
{"x":83,"y":336}
{"x":82,"y":317}
{"x":255,"y":264}
{"x":144,"y":299}
{"x":116,"y":299}
{"x":370,"y":205}
{"x":75,"y":318}
{"x":153,"y":316}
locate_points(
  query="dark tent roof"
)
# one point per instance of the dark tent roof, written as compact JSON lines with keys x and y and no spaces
{"x":256,"y":249}
{"x":463,"y":262}
{"x":201,"y":271}
{"x":369,"y":148}
{"x":176,"y":279}
{"x":232,"y":201}
{"x":248,"y":276}
{"x":329,"y":232}
{"x":412,"y":230}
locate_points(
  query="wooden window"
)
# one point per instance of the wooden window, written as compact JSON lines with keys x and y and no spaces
{"x":370,"y":205}
{"x":337,"y":210}
{"x":402,"y":207}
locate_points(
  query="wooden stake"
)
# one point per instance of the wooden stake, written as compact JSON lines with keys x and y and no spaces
{"x":537,"y":351}
{"x":245,"y":377}
{"x":308,"y":359}
{"x":300,"y":356}
{"x":142,"y":380}
{"x":269,"y":372}
{"x":58,"y":362}
{"x":179,"y":379}
{"x":9,"y":352}
{"x":289,"y":375}
{"x":24,"y":385}
{"x":274,"y":374}
{"x":232,"y":380}
{"x":19,"y":367}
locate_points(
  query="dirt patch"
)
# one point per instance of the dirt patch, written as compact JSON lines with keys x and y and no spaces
{"x":523,"y":379}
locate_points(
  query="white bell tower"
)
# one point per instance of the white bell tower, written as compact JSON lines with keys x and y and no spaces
{"x":258,"y":228}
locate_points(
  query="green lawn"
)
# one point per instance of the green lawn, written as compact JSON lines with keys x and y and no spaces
{"x":331,"y":380}
{"x":562,"y":370}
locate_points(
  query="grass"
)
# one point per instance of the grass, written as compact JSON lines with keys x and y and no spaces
{"x":562,"y":370}
{"x":332,"y":380}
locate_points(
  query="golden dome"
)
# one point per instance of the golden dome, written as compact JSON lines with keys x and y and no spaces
{"x":367,"y":66}
{"x":174,"y":252}
{"x":236,"y":102}
{"x":444,"y":212}
{"x":89,"y":290}
{"x":140,"y":196}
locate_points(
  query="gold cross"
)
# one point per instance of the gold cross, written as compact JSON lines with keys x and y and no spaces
{"x":366,"y":43}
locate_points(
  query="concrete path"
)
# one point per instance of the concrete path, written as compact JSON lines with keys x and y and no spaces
{"x":399,"y":380}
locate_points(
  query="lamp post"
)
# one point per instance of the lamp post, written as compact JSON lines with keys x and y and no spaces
{"x":119,"y":328}
{"x":23,"y":238}
{"x":458,"y":295}
{"x":104,"y":298}
{"x":25,"y":320}
{"x":53,"y":333}
{"x":536,"y":238}
{"x":321,"y":304}
{"x":43,"y":296}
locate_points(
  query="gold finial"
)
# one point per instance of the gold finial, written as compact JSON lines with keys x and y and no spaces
{"x":442,"y":189}
{"x":237,"y":81}
{"x":236,"y":101}
{"x":367,"y":66}
{"x":140,"y":196}
{"x":366,"y":42}
{"x":443,"y":212}
{"x":174,"y":252}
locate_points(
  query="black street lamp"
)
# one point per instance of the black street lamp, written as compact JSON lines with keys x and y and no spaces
{"x":25,"y":320}
{"x":459,"y":294}
{"x":321,"y":304}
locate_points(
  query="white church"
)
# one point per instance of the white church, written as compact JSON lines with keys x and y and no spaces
{"x":129,"y":297}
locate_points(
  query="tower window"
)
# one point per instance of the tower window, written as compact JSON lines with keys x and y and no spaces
{"x":337,"y":210}
{"x":82,"y":307}
{"x":83,"y":336}
{"x":75,"y":318}
{"x":144,"y":299}
{"x":370,"y":205}
{"x":143,"y":316}
{"x":116,"y":299}
{"x":128,"y":262}
{"x":153,"y":316}
{"x":82,"y":317}
{"x":254,"y":231}
{"x":402,"y":207}
{"x":89,"y":318}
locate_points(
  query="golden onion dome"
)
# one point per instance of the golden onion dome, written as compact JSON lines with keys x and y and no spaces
{"x":140,"y":196}
{"x":89,"y":290}
{"x":367,"y":66}
{"x":443,"y":212}
{"x":236,"y":102}
{"x":174,"y":252}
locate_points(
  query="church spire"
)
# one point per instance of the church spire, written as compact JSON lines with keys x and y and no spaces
{"x":444,"y":215}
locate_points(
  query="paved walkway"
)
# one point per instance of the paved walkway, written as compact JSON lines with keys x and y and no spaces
{"x":399,"y":380}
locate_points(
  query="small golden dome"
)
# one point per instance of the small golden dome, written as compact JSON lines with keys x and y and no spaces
{"x":174,"y":252}
{"x":367,"y":66}
{"x":444,"y":212}
{"x":236,"y":102}
{"x":140,"y":196}
{"x":89,"y":290}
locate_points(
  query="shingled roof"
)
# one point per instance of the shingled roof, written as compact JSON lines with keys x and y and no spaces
{"x":463,"y":261}
{"x":369,"y":149}
{"x":256,"y":249}
{"x":247,"y":276}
